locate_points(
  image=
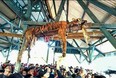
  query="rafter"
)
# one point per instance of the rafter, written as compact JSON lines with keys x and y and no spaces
{"x":76,"y":37}
{"x":49,"y":10}
{"x":11,"y":4}
{"x":60,"y":10}
{"x":43,"y":9}
{"x":3,"y":47}
{"x":54,"y":7}
{"x":84,"y":11}
{"x":11,"y":35}
{"x":5,"y":43}
{"x":108,"y":9}
{"x":67,"y":11}
{"x":80,"y":50}
{"x":111,"y":39}
{"x":88,"y":25}
{"x":88,"y":11}
{"x":98,"y":25}
{"x":69,"y":47}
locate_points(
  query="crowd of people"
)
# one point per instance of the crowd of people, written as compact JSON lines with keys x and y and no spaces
{"x":45,"y":71}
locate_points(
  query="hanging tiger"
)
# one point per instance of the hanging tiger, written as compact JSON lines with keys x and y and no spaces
{"x":61,"y":28}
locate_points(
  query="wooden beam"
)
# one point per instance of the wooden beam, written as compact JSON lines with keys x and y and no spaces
{"x":11,"y":35}
{"x":93,"y":33}
{"x":79,"y":35}
{"x":76,"y":37}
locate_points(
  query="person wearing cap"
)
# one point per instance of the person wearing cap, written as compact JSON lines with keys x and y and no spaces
{"x":44,"y":72}
{"x":24,"y":71}
{"x":30,"y":73}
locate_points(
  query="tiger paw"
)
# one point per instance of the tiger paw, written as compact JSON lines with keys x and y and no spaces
{"x":64,"y":55}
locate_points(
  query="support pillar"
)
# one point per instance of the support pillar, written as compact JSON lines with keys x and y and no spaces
{"x":54,"y":58}
{"x":19,"y":57}
{"x":8,"y":52}
{"x":47,"y":55}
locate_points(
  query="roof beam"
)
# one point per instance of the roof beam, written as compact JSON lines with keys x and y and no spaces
{"x":98,"y":40}
{"x":5,"y":43}
{"x":80,"y":50}
{"x":43,"y":10}
{"x":6,"y":11}
{"x":33,"y":23}
{"x":3,"y":39}
{"x":108,"y":9}
{"x":49,"y":9}
{"x":54,"y":7}
{"x":11,"y":35}
{"x":3,"y":25}
{"x":89,"y":25}
{"x":14,"y":7}
{"x":6,"y":36}
{"x":78,"y":35}
{"x":9,"y":22}
{"x":3,"y":46}
{"x":99,"y":52}
{"x":101,"y":40}
{"x":88,"y":11}
{"x":69,"y":47}
{"x":90,"y":33}
{"x":67,"y":10}
{"x":111,"y":39}
{"x":29,"y":10}
{"x":84,"y":11}
{"x":60,"y":10}
{"x":95,"y":48}
{"x":98,"y":25}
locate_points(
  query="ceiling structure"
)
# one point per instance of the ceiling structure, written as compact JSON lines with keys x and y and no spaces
{"x":17,"y":15}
